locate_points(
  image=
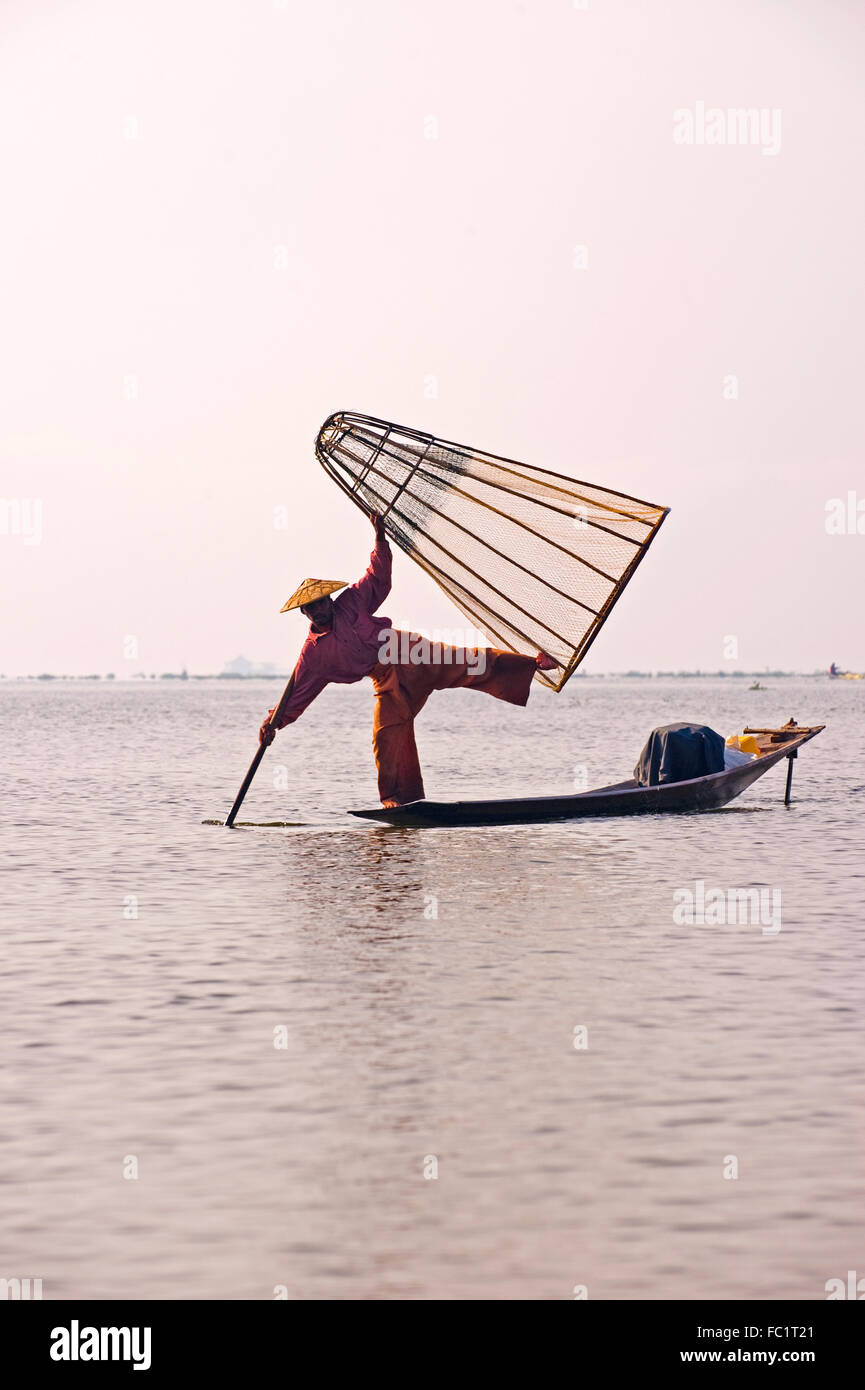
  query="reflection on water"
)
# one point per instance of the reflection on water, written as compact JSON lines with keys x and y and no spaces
{"x":426,"y":987}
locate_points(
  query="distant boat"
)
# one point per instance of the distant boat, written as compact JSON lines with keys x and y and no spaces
{"x":845,"y":675}
{"x":758,"y":686}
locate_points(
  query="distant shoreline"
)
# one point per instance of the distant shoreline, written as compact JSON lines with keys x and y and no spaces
{"x":183,"y":677}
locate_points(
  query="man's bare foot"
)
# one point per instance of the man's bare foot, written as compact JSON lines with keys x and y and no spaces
{"x":546,"y":663}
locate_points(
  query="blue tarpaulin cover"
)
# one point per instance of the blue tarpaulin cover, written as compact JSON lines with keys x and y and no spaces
{"x":677,"y":752}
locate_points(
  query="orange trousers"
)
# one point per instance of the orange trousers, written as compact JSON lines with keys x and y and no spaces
{"x":402,"y":690}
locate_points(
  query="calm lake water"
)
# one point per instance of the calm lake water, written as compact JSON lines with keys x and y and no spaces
{"x":427,"y":985}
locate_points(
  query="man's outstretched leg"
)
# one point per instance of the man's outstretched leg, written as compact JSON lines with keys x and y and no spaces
{"x":504,"y":675}
{"x":403,"y":688}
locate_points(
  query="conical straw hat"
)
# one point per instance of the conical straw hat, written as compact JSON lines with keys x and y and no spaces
{"x":310,"y":590}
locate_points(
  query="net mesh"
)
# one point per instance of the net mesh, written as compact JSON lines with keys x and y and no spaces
{"x":533,"y":559}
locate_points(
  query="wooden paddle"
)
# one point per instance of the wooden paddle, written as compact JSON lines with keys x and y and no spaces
{"x":262,"y":749}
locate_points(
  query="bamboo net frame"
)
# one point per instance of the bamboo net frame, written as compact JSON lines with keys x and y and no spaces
{"x":534,"y":559}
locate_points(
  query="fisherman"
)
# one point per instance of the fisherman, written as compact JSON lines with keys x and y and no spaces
{"x":348,"y":639}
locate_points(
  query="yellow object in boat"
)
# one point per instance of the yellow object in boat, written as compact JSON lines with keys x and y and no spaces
{"x":746,"y":743}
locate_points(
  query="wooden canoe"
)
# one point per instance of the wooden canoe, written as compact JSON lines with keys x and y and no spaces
{"x":620,"y":799}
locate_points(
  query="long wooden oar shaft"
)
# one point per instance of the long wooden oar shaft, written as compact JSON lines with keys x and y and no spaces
{"x":253,"y":766}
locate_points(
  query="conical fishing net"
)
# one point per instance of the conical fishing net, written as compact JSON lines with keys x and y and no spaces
{"x":533,"y":559}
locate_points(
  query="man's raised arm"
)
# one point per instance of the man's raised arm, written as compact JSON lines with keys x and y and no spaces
{"x":374,"y":587}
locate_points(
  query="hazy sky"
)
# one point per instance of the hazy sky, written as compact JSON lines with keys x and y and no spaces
{"x":224,"y":219}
